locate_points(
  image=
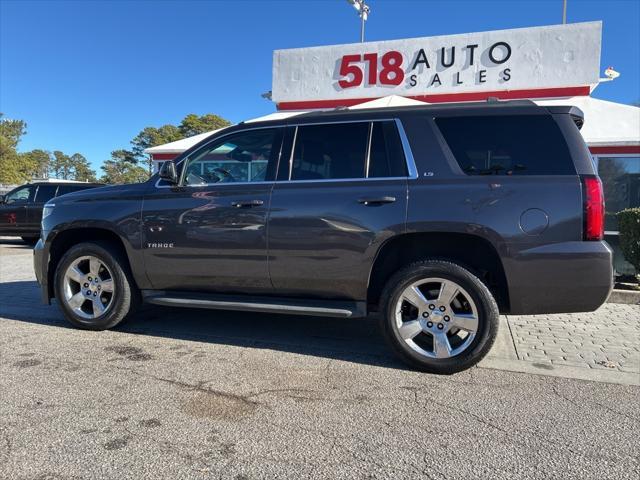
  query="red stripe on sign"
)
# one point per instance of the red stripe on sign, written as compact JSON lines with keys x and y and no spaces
{"x":446,"y":97}
{"x":615,"y":149}
{"x":164,"y":156}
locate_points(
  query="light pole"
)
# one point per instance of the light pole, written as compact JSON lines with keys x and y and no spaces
{"x":363,"y":12}
{"x":564,"y":12}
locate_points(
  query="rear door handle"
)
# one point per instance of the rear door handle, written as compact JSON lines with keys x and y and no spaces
{"x":376,"y":200}
{"x":247,"y":204}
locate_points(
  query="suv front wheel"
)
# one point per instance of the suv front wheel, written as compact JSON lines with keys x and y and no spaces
{"x":93,"y":289}
{"x":438,"y":316}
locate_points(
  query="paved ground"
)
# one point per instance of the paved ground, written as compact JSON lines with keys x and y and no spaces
{"x":609,"y":340}
{"x":194,"y":394}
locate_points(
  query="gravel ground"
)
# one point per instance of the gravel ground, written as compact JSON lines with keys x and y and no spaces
{"x":197,"y":394}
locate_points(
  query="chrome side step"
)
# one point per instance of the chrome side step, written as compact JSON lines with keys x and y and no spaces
{"x":323,"y":308}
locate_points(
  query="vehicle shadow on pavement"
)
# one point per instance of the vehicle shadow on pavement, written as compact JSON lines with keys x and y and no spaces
{"x":354,"y":340}
{"x":14,"y":244}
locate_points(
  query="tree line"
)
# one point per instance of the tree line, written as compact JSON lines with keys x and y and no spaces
{"x":124,"y":166}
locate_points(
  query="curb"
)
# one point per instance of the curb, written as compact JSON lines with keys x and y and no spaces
{"x":577,"y":373}
{"x":628,"y":297}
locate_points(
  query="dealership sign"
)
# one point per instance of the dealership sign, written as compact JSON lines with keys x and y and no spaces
{"x":528,"y":62}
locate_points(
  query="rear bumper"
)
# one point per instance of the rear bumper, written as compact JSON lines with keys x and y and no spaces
{"x":40,"y":266}
{"x":560,"y":278}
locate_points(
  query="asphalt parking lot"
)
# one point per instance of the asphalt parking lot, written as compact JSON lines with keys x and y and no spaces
{"x":199,"y":394}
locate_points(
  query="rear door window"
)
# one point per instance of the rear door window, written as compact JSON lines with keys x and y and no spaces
{"x":331,"y":151}
{"x":65,"y":189}
{"x":45,"y":193}
{"x":507,"y":145}
{"x":351,"y":150}
{"x":62,"y":189}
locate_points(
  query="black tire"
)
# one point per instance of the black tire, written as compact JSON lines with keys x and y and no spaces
{"x":30,"y":240}
{"x":126,"y":297}
{"x":488,"y":315}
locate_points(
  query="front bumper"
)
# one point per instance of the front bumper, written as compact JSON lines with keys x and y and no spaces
{"x":563,"y":277}
{"x":41,"y":268}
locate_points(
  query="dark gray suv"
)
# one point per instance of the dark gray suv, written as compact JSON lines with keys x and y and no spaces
{"x":437,"y":218}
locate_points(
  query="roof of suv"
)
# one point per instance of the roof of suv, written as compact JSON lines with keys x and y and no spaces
{"x":426,"y":107}
{"x":342,"y":114}
{"x":58,"y":182}
{"x":394,"y":111}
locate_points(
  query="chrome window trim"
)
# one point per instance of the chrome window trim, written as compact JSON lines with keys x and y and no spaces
{"x":335,"y":180}
{"x":285,"y":182}
{"x":293,"y":150}
{"x":408,"y":155}
{"x":331,"y":122}
{"x":163,"y":186}
{"x":367,"y":159}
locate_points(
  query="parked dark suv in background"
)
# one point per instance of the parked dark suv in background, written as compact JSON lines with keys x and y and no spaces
{"x":436,"y":217}
{"x":21,"y":208}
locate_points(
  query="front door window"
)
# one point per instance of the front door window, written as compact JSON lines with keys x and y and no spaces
{"x":239,"y":158}
{"x":20,"y":195}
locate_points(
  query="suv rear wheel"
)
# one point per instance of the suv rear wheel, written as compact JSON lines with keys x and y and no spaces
{"x":438,"y":316}
{"x":93,"y":289}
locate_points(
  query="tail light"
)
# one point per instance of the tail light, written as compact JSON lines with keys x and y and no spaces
{"x":593,"y":207}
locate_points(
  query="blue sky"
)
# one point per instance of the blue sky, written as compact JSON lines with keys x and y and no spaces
{"x":87,"y":76}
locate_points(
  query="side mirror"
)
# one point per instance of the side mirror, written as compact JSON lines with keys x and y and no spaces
{"x":168,"y":172}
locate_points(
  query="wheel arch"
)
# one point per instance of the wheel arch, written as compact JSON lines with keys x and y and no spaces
{"x":63,"y":240}
{"x":470,"y":251}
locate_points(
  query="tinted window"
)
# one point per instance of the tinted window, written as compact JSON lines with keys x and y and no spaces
{"x":330,"y":151}
{"x":62,"y":189}
{"x":243,"y":157}
{"x":507,"y":145}
{"x":45,"y":193}
{"x":386,"y":158}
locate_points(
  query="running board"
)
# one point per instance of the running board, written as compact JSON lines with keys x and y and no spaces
{"x":322,"y":308}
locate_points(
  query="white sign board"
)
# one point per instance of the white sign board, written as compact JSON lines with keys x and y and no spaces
{"x":504,"y":60}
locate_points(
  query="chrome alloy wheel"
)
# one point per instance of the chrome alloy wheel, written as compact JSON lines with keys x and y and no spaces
{"x":88,"y":287}
{"x":436,"y":317}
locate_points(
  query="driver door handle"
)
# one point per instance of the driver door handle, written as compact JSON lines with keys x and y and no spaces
{"x":376,"y":200}
{"x":247,"y":204}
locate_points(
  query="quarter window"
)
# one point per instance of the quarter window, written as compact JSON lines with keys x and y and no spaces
{"x":507,"y":145}
{"x":240,"y":158}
